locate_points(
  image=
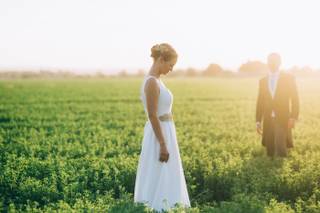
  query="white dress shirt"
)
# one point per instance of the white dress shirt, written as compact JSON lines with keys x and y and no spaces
{"x":272,"y":83}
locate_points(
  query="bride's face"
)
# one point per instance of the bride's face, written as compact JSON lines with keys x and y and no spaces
{"x":167,"y":66}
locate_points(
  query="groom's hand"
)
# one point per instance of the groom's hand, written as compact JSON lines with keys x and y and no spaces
{"x":291,"y":123}
{"x":258,"y":127}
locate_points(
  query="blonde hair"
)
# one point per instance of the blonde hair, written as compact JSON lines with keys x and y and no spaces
{"x":164,"y":50}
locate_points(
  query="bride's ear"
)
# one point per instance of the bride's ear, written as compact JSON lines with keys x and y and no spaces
{"x":161,"y":60}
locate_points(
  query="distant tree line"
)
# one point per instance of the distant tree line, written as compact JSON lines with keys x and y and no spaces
{"x":248,"y":69}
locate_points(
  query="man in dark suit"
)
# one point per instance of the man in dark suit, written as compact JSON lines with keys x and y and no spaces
{"x":277,"y":107}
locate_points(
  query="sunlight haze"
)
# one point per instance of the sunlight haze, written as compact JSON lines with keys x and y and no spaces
{"x":115,"y":35}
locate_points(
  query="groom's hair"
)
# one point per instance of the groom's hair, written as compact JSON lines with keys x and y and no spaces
{"x":274,"y":57}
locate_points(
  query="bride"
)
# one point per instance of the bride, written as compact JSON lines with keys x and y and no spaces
{"x":160,"y":181}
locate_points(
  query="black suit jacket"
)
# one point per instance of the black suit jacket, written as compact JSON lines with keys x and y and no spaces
{"x":285,"y":105}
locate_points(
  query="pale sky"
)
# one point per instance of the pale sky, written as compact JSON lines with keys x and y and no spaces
{"x":118,"y":34}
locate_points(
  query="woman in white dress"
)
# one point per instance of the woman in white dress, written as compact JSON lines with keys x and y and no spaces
{"x":160,"y":181}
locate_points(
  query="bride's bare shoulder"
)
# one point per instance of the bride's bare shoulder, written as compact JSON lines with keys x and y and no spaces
{"x":151,"y":84}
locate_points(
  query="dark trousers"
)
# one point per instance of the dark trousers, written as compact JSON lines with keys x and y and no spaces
{"x":278,"y":144}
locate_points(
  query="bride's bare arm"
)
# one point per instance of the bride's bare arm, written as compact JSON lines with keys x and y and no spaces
{"x":152,"y":95}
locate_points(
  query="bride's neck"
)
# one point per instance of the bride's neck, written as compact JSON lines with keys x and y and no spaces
{"x":155,"y":71}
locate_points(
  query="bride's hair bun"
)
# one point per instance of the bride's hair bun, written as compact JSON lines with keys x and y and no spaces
{"x":155,"y":51}
{"x":164,"y":50}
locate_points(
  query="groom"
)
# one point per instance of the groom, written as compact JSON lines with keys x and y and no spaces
{"x":277,"y":107}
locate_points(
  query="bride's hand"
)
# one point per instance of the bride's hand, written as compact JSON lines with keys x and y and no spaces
{"x":164,"y":154}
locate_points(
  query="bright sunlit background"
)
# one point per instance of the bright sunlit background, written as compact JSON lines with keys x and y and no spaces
{"x":114,"y":35}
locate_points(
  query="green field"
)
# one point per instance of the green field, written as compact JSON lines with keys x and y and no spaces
{"x":73,"y":145}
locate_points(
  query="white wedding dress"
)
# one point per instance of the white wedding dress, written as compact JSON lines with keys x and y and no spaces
{"x":160,"y":185}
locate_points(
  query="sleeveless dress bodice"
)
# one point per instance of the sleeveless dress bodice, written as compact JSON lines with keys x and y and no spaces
{"x":165,"y":97}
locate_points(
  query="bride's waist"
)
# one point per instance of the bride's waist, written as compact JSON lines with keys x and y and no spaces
{"x":165,"y":117}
